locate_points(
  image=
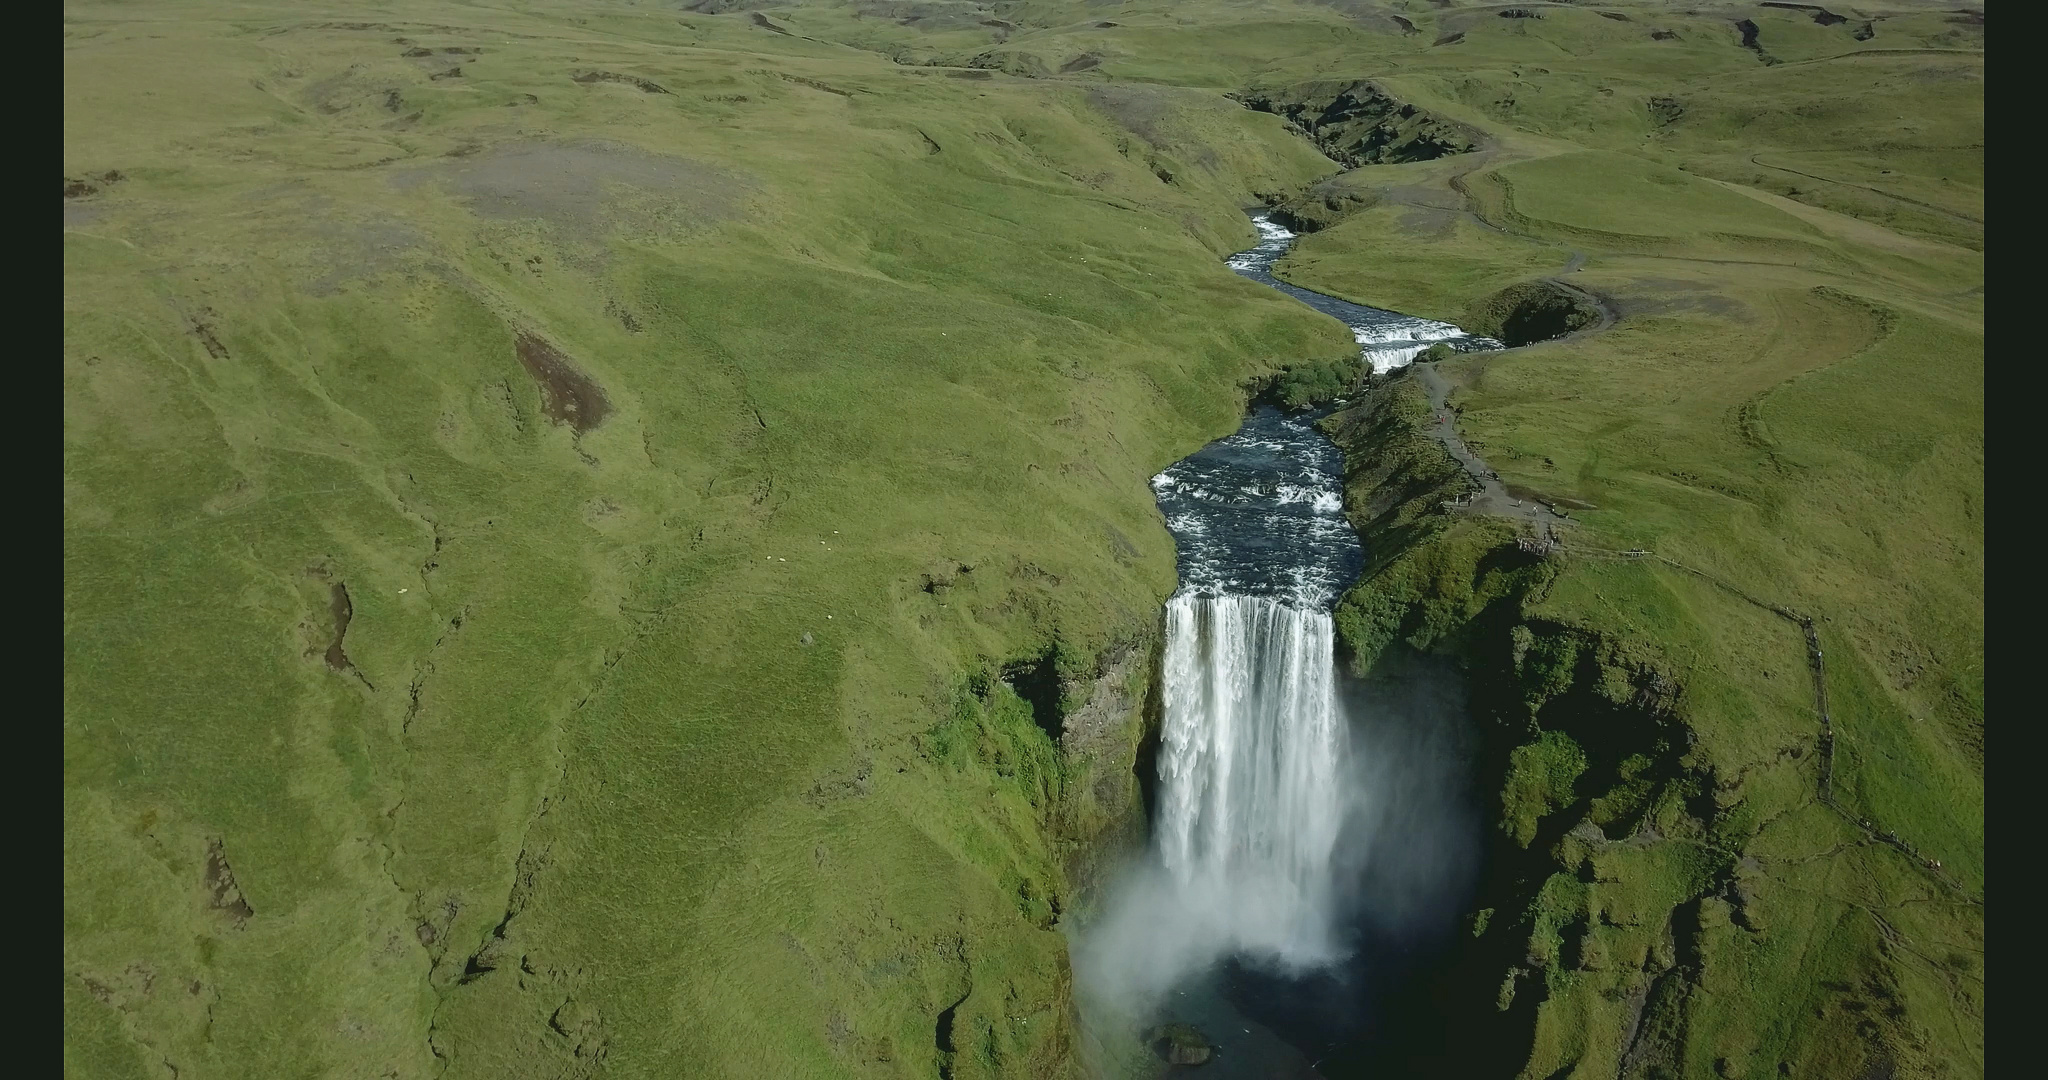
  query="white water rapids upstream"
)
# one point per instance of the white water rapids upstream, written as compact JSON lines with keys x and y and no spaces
{"x":1386,"y":339}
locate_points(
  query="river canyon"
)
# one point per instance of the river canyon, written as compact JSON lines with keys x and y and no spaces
{"x":1313,"y":834}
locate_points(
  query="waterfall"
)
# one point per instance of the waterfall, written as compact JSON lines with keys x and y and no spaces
{"x":1298,"y":846}
{"x":1250,"y":754}
{"x":1254,"y":768}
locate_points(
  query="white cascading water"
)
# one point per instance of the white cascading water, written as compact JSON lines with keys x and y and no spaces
{"x":1252,"y":760}
{"x":1386,"y":339}
{"x":1250,"y":754}
{"x":1256,"y":781}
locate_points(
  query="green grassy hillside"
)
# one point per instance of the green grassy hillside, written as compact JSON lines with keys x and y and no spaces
{"x":1788,"y":409}
{"x":572,"y":510}
{"x":500,"y":510}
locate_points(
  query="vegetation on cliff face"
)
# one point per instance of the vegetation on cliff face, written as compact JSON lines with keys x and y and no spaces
{"x":1735,"y":884}
{"x":1658,"y":902}
{"x":1317,"y":381}
{"x":1531,"y":312}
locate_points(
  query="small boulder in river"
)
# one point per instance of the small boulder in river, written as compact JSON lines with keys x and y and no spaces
{"x":1181,"y":1044}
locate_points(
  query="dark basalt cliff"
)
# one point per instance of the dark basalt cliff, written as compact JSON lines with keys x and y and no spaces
{"x":1357,"y":123}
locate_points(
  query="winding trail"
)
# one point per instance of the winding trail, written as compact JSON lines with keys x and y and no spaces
{"x":1927,"y":206}
{"x":1599,"y":303}
{"x":1493,"y":496}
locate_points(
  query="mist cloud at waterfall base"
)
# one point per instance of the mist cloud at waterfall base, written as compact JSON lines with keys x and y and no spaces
{"x":1155,"y":933}
{"x":1403,"y":867}
{"x":1409,"y":854}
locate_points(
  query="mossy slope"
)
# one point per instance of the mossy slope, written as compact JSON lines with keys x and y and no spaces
{"x":1651,"y":880}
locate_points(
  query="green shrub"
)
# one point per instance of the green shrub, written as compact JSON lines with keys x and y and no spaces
{"x":1316,"y":381}
{"x":1540,"y":779}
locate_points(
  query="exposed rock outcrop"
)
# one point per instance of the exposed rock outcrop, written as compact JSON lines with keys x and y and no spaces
{"x":1357,"y":123}
{"x":1532,"y":312}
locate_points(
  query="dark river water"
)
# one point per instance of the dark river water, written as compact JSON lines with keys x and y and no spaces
{"x":1261,"y":513}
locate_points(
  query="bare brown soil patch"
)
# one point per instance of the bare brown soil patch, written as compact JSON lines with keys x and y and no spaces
{"x":1650,"y":297}
{"x":340,"y":610}
{"x":342,"y":251}
{"x":766,"y":23}
{"x":201,"y":323}
{"x":220,"y":881}
{"x":582,"y":187}
{"x":1081,"y":63}
{"x":89,"y":184}
{"x":567,"y":395}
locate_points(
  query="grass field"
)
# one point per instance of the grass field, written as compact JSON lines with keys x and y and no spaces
{"x":549,"y":489}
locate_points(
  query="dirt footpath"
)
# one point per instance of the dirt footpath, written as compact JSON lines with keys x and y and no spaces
{"x":1493,"y":497}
